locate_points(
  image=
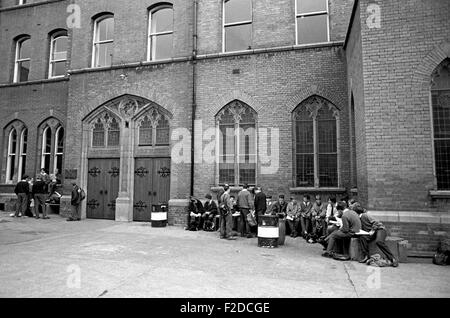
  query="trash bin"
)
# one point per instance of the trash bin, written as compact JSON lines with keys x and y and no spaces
{"x":282,"y":232}
{"x":159,"y":215}
{"x":268,"y":231}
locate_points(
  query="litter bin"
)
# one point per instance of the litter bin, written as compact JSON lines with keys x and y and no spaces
{"x":268,"y":231}
{"x":282,"y":227}
{"x":159,"y":215}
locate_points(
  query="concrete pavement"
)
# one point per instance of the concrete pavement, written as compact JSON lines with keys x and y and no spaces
{"x":94,"y":258}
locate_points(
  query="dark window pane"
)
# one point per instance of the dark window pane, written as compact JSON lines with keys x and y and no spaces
{"x":442,"y":150}
{"x":305,"y":170}
{"x":25,"y":141}
{"x":308,"y":6}
{"x":13,"y":141}
{"x":238,"y":10}
{"x":312,"y":29}
{"x":162,"y":46}
{"x":60,"y":141}
{"x":59,"y":162}
{"x":247,"y":173}
{"x":146,"y":132}
{"x":114,"y":133}
{"x":104,"y":54}
{"x":24,"y":71}
{"x":305,"y":136}
{"x":105,"y":30}
{"x":162,"y":132}
{"x":24,"y":165}
{"x":25,"y":49}
{"x":327,"y":136}
{"x":48,"y":140}
{"x":226,"y":174}
{"x":162,"y":20}
{"x":328,"y":170}
{"x":98,"y":135}
{"x":441,"y":113}
{"x":12,"y":165}
{"x":46,"y":162}
{"x":238,"y":38}
{"x":59,"y":68}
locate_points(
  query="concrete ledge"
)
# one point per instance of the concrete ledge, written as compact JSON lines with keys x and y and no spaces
{"x":412,"y":217}
{"x":440,"y":194}
{"x":178,"y":203}
{"x":309,"y":190}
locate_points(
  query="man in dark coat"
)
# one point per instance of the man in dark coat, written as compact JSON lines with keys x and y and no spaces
{"x":75,"y":203}
{"x":22,"y":191}
{"x":40,"y":191}
{"x":194,"y":216}
{"x":260,"y":203}
{"x":208,"y":218}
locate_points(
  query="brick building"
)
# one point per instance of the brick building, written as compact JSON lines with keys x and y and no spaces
{"x":135,"y":101}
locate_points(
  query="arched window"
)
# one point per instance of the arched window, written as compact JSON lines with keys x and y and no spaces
{"x":237,"y":25}
{"x":22,"y":60}
{"x":440,"y":97}
{"x":316,"y":124}
{"x":46,"y":154}
{"x":311,"y":19}
{"x":12,"y":154}
{"x":58,"y":54}
{"x":237,"y":144}
{"x":160,"y":42}
{"x":59,"y":149}
{"x":103,"y":41}
{"x":154,"y":129}
{"x":106,"y":131}
{"x":23,"y":153}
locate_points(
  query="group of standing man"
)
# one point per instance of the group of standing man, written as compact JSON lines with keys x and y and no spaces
{"x":37,"y":191}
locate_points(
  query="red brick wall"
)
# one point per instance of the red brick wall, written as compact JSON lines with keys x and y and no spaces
{"x":396,"y":100}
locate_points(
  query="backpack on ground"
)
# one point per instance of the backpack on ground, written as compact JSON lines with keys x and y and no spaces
{"x":82,"y":195}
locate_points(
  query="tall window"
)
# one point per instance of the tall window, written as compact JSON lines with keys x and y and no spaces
{"x":23,"y":153}
{"x":12,"y":154}
{"x":22,"y":60}
{"x":58,"y":55}
{"x":105,"y":131}
{"x":59,"y":149}
{"x":103,"y":41}
{"x":311,"y":18}
{"x":46,"y":149}
{"x":237,"y":144}
{"x":237,"y":25}
{"x":440,"y":96}
{"x":160,"y":43}
{"x":154,"y":129}
{"x":316,"y":143}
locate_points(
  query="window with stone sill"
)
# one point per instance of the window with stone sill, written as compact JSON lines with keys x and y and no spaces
{"x":237,"y":25}
{"x":103,"y":46}
{"x":160,"y":41}
{"x":316,"y":123}
{"x":440,"y":99}
{"x":237,"y":137}
{"x":22,"y":63}
{"x":311,"y":19}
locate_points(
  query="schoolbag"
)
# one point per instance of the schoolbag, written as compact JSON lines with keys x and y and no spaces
{"x":82,"y":195}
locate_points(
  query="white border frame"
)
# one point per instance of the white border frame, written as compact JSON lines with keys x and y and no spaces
{"x":55,"y":161}
{"x":296,"y":16}
{"x":18,"y":60}
{"x":22,"y":155}
{"x":10,"y":154}
{"x":43,"y":153}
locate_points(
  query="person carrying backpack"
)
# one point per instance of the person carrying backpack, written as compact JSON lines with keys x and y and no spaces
{"x":78,"y":195}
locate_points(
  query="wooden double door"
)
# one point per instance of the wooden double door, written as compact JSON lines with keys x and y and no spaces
{"x":103,"y":188}
{"x":151,"y":186}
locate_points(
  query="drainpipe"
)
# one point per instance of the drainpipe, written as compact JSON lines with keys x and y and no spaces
{"x":194,"y":95}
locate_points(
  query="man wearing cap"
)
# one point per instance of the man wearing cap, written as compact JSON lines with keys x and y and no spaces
{"x":210,"y":209}
{"x":40,"y":191}
{"x":377,"y":233}
{"x":351,"y":224}
{"x":225,"y":210}
{"x":22,"y":191}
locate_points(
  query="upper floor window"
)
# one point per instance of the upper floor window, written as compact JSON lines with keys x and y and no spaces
{"x":22,"y":2}
{"x":316,"y":143}
{"x":58,"y":55}
{"x":160,"y":42}
{"x":237,"y":144}
{"x":237,"y":25}
{"x":22,"y":60}
{"x":103,"y":41}
{"x":51,"y":136}
{"x":440,"y":98}
{"x":311,"y":18}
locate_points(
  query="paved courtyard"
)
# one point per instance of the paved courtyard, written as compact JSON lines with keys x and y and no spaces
{"x":92,"y":258}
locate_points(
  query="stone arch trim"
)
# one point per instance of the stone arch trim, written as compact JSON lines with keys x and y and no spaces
{"x":318,"y":90}
{"x":155,"y":98}
{"x":222,"y":101}
{"x":37,"y":121}
{"x":421,"y":74}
